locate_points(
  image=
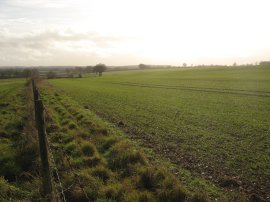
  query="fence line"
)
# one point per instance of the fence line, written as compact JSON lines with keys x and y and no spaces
{"x":45,"y":151}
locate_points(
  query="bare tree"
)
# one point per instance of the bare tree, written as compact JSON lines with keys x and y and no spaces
{"x":51,"y":75}
{"x":142,"y":66}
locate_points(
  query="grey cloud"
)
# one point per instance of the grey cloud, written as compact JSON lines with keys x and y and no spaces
{"x":48,"y":38}
{"x":53,"y":47}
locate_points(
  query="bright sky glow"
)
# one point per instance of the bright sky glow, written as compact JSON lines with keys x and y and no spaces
{"x":125,"y":32}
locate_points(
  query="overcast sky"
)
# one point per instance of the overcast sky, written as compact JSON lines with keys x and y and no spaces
{"x":126,"y":32}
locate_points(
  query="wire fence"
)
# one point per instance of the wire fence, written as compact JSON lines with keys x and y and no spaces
{"x":49,"y":193}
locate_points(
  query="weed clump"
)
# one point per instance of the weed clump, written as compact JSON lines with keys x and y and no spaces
{"x":177,"y":194}
{"x":76,"y":194}
{"x":83,"y":135}
{"x":26,"y":156}
{"x":92,"y":160}
{"x":8,"y":191}
{"x":52,"y":127}
{"x":4,"y":134}
{"x":102,"y":173}
{"x":102,"y":131}
{"x":151,"y":178}
{"x":91,"y":184}
{"x":122,"y":155}
{"x":66,"y":138}
{"x":76,"y":161}
{"x":200,"y":197}
{"x":3,"y":105}
{"x":65,"y":122}
{"x":229,"y":182}
{"x":79,"y":117}
{"x":72,"y":148}
{"x":88,"y":149}
{"x":111,"y":191}
{"x":108,"y":142}
{"x":9,"y":169}
{"x":171,"y":190}
{"x":146,"y":197}
{"x":15,"y":127}
{"x":72,"y":126}
{"x":58,"y":109}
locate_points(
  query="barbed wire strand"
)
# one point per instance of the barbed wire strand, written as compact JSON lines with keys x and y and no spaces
{"x":56,"y":171}
{"x":53,"y":159}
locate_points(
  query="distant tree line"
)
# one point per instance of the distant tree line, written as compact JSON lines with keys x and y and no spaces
{"x":54,"y":72}
{"x":71,"y":72}
{"x":51,"y":75}
{"x":144,"y":66}
{"x":265,"y":63}
{"x":78,"y":71}
{"x":14,"y":73}
{"x":97,"y":69}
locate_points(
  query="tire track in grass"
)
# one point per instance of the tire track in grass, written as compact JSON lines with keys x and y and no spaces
{"x":188,"y":88}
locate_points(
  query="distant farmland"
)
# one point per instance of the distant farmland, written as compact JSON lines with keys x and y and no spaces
{"x":213,"y":122}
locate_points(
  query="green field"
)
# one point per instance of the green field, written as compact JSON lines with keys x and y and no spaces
{"x":18,"y":148}
{"x":96,"y":162}
{"x":213,"y":122}
{"x":89,"y":159}
{"x":193,"y":134}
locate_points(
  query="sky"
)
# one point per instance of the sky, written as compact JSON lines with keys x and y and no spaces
{"x":130,"y":32}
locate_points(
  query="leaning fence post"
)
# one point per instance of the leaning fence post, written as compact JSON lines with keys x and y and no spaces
{"x":45,"y":169}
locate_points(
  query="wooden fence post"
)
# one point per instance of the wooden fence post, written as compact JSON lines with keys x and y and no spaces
{"x":35,"y":92}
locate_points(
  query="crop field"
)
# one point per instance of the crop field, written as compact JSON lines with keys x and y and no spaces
{"x":97,"y":163}
{"x":213,"y":122}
